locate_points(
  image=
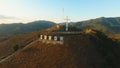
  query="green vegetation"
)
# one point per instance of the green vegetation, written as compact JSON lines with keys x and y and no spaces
{"x":15,"y":47}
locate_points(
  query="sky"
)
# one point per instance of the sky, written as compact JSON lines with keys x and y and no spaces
{"x":23,"y":11}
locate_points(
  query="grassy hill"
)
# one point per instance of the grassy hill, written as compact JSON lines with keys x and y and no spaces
{"x":8,"y":46}
{"x":90,"y":49}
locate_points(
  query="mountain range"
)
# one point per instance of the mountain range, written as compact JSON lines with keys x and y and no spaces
{"x":20,"y":28}
{"x":106,"y":25}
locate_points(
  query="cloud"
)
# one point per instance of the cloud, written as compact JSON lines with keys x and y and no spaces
{"x":6,"y":17}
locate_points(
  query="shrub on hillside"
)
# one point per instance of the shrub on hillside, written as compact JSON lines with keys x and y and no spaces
{"x":15,"y":47}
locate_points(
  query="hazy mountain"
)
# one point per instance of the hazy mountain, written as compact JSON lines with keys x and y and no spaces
{"x":90,"y":49}
{"x":19,"y":28}
{"x":107,"y":25}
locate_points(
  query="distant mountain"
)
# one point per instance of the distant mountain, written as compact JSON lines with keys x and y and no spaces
{"x":19,"y":28}
{"x":106,"y":25}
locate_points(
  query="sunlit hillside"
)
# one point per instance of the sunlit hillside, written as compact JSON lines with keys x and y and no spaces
{"x":89,"y":49}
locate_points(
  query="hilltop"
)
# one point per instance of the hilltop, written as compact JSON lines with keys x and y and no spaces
{"x":90,"y":49}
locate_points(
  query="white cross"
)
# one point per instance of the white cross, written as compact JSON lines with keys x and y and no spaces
{"x":66,"y":24}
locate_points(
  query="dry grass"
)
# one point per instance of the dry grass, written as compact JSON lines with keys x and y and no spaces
{"x":114,"y":36}
{"x":77,"y":52}
{"x":6,"y":46}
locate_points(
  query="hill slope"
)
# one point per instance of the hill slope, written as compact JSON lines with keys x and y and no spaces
{"x":16,"y":42}
{"x":88,"y":50}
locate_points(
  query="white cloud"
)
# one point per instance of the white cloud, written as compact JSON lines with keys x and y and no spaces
{"x":6,"y":17}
